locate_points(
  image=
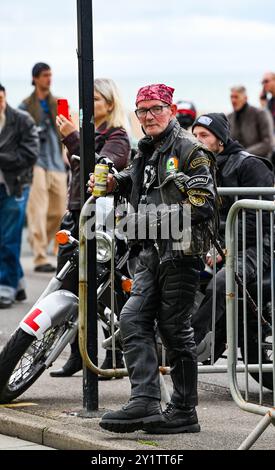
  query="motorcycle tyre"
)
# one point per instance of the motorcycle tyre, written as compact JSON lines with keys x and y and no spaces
{"x":11,"y":354}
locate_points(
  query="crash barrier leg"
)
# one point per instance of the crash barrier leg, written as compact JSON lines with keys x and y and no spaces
{"x":83,"y":266}
{"x":232,"y":323}
{"x":257,"y":432}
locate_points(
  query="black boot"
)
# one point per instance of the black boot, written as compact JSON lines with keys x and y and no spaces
{"x":176,"y":421}
{"x":73,"y":364}
{"x":133,"y":416}
{"x":108,"y":363}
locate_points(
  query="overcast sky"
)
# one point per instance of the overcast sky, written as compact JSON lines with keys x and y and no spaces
{"x":140,"y":41}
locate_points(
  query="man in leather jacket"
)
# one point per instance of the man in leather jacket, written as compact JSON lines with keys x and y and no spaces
{"x":172,"y":169}
{"x":235,"y":168}
{"x":19,"y":147}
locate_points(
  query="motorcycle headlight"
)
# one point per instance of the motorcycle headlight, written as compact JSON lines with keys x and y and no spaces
{"x":103,"y":247}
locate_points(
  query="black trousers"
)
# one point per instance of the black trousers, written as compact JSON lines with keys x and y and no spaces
{"x":164,"y":292}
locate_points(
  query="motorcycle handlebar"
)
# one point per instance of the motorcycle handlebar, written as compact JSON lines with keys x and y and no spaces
{"x":104,"y":160}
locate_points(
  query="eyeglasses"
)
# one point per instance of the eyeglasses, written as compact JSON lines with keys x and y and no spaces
{"x":265,"y":81}
{"x":141,"y":113}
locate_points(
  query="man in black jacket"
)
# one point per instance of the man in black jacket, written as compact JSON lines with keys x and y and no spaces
{"x":19,"y":147}
{"x":170,"y":171}
{"x":235,"y":168}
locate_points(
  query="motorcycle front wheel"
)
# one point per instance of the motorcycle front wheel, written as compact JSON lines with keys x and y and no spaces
{"x":22,"y":361}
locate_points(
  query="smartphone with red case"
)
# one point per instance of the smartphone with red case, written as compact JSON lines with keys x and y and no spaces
{"x":63,"y":108}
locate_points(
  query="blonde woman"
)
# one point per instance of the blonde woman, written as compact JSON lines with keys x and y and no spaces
{"x":111,"y":140}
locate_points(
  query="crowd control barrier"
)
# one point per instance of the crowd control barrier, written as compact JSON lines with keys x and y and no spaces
{"x":261,"y":333}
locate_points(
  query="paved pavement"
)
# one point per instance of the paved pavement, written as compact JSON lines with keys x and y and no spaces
{"x":50,"y":412}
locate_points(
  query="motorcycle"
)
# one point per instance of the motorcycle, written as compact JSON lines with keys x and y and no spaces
{"x":52,"y":323}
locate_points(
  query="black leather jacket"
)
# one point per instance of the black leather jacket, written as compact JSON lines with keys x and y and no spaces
{"x":19,"y":148}
{"x":195,"y":166}
{"x":238,"y":168}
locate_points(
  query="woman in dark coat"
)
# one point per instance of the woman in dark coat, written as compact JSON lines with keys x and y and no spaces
{"x":112,"y":141}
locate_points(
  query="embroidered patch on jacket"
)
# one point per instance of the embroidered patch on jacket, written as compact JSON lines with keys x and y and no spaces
{"x":197,"y":200}
{"x":200,"y":161}
{"x":197,"y":180}
{"x":172,"y":164}
{"x":197,"y":192}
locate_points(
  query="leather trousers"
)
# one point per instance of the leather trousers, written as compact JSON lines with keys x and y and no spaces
{"x":162,"y":293}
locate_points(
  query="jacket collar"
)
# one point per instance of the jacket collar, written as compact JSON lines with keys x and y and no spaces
{"x":163,"y":141}
{"x":10,"y":118}
{"x":35,"y":110}
{"x":167,"y":138}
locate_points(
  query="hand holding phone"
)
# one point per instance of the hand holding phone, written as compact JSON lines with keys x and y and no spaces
{"x":63,"y":108}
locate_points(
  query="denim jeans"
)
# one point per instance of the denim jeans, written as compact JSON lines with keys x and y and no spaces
{"x":12,"y":217}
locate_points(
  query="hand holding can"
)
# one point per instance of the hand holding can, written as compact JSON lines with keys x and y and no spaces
{"x":106,"y":185}
{"x":100,"y":181}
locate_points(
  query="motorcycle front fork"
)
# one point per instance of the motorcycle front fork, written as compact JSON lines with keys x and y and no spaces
{"x":65,"y":339}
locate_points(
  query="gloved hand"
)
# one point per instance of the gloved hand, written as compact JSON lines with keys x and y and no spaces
{"x":179,"y":178}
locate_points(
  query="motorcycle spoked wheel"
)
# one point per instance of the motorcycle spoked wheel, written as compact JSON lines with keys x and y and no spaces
{"x":253,"y":358}
{"x":22,"y":361}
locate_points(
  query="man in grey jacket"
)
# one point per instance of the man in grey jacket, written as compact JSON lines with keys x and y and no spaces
{"x":48,"y":195}
{"x":19,"y":147}
{"x":251,"y":126}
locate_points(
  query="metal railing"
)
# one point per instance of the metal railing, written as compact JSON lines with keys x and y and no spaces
{"x":209,"y":368}
{"x":83,"y":269}
{"x":262,"y":328}
{"x":235,"y":192}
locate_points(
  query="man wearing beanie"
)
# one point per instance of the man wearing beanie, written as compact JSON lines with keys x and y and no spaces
{"x":47,"y":201}
{"x":171,"y":169}
{"x":235,"y":168}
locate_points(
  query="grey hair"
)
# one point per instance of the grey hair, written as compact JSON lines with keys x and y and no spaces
{"x":239,"y":89}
